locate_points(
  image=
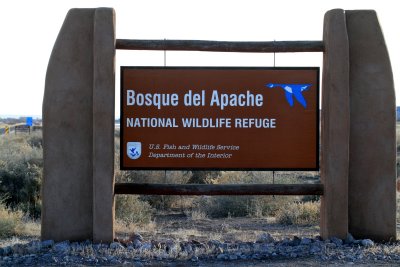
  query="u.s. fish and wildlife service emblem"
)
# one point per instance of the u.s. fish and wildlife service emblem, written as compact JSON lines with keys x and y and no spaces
{"x":134,"y":150}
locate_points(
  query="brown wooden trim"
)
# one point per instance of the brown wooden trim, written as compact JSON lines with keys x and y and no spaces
{"x":221,"y":46}
{"x":226,"y":189}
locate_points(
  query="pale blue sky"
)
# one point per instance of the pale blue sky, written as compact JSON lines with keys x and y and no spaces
{"x":29,"y":29}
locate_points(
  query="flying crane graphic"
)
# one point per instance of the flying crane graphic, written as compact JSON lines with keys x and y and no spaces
{"x":292,"y":90}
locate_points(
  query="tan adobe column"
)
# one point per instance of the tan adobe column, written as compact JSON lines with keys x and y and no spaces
{"x":372,"y":172}
{"x":335,"y":126}
{"x":78,"y":129}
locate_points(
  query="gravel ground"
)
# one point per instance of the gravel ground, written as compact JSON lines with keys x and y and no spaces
{"x":264,"y":251}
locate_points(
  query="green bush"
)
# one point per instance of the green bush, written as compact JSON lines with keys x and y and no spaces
{"x":21,"y":168}
{"x":10,"y":221}
{"x":132,"y":210}
{"x":299,"y":213}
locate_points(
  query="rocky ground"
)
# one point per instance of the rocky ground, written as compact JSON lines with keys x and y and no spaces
{"x":137,"y":251}
{"x":204,"y":242}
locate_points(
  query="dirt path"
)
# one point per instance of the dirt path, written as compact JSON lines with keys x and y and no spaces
{"x":181,"y":227}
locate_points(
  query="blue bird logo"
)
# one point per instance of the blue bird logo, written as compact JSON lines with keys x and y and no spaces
{"x":293,"y":90}
{"x":133,"y":152}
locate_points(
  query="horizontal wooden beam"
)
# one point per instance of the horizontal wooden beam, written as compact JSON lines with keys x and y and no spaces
{"x":221,"y":46}
{"x":225,"y":189}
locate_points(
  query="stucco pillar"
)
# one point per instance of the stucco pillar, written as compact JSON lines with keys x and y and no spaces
{"x":103,"y":124}
{"x":335,"y":126}
{"x":372,"y":170}
{"x":78,"y":129}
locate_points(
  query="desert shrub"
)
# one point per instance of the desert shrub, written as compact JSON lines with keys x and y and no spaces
{"x":299,"y":213}
{"x":224,"y":206}
{"x":265,"y":177}
{"x":35,"y":139}
{"x":269,"y":205}
{"x":239,"y":206}
{"x":132,"y":210}
{"x":236,"y":206}
{"x":21,"y":167}
{"x":10,"y":221}
{"x":198,"y":215}
{"x":398,"y":208}
{"x":228,"y":206}
{"x":117,"y":133}
{"x":310,"y":198}
{"x":160,"y":202}
{"x":203,"y":177}
{"x":398,"y":166}
{"x":398,"y":135}
{"x":167,"y":177}
{"x":238,"y":177}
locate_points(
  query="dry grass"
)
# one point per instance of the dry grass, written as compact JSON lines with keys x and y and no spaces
{"x":30,"y":228}
{"x":123,"y":229}
{"x":299,"y":213}
{"x":185,"y":234}
{"x":198,"y":215}
{"x":10,"y":222}
{"x":242,"y":229}
{"x":384,"y":250}
{"x":131,"y":210}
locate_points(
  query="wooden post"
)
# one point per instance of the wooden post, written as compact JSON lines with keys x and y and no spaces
{"x":221,"y":46}
{"x":214,"y":190}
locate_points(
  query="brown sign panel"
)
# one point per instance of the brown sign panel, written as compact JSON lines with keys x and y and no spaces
{"x":219,"y":118}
